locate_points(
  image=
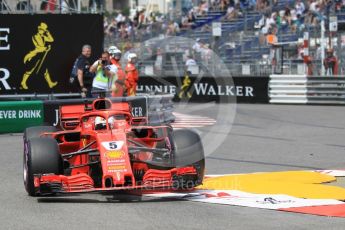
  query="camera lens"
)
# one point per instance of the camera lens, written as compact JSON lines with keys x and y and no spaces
{"x":104,"y":62}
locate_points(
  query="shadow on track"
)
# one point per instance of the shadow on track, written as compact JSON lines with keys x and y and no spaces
{"x":114,"y":199}
{"x":264,"y":163}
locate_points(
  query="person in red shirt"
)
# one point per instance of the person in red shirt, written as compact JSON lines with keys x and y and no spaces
{"x":132,"y":75}
{"x":115,"y":55}
{"x":331,"y":63}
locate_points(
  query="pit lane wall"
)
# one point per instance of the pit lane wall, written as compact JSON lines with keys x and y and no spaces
{"x":15,"y":116}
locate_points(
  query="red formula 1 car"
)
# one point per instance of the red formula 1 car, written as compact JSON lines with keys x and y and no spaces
{"x":103,"y":147}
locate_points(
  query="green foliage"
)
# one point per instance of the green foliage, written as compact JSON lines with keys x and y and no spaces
{"x":126,"y":11}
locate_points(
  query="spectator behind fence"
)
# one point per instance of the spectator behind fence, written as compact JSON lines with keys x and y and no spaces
{"x":331,"y":63}
{"x":197,"y":50}
{"x":158,"y":61}
{"x":271,"y":38}
{"x":190,"y":64}
{"x":299,"y":7}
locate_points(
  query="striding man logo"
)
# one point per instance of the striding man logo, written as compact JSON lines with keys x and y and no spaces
{"x":185,"y":88}
{"x":35,"y":60}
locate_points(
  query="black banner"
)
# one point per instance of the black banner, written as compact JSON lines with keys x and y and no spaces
{"x":52,"y":116}
{"x":206,"y":89}
{"x":37,"y":52}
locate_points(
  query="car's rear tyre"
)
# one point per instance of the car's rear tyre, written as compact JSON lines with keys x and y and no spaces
{"x":36,"y":131}
{"x":41,"y":156}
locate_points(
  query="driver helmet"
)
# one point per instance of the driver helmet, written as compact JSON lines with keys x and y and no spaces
{"x":100,"y":123}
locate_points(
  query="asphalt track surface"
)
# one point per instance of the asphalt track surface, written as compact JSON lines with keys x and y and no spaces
{"x":262,"y":138}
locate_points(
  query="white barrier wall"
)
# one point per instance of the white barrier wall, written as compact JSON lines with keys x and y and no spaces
{"x":302,"y":89}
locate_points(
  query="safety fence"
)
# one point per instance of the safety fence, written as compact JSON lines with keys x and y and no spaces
{"x":15,"y":116}
{"x":302,"y":89}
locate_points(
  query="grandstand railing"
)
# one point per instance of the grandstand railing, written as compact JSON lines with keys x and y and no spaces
{"x":60,"y":7}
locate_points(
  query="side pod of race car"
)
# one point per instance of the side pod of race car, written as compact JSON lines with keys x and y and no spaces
{"x":103,"y":147}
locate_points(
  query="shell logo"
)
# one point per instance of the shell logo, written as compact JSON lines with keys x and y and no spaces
{"x":114,"y":154}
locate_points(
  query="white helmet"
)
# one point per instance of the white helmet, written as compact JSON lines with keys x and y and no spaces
{"x":132,"y":57}
{"x":100,"y":123}
{"x":115,"y":52}
{"x":112,"y":49}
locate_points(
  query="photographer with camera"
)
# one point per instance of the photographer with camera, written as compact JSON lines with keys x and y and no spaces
{"x":100,"y":81}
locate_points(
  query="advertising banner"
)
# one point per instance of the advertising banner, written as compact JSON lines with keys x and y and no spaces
{"x":17,"y":115}
{"x":52,"y":113}
{"x":206,"y":89}
{"x":37,"y":52}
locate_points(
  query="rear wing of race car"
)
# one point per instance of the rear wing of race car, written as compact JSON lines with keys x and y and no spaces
{"x":146,"y":110}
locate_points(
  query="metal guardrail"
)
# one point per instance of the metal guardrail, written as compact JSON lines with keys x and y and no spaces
{"x":34,"y":96}
{"x":212,"y":69}
{"x":302,"y":89}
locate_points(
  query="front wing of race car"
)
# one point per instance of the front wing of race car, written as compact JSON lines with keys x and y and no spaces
{"x":82,"y":183}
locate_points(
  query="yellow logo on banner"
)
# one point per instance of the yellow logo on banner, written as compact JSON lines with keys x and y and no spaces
{"x":114,"y":154}
{"x":35,"y":60}
{"x":184,"y":91}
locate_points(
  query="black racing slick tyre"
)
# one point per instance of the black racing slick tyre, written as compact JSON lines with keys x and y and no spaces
{"x":188,"y":150}
{"x":36,"y":131}
{"x":41,"y":156}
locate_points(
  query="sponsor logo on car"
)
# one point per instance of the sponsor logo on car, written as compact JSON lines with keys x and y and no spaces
{"x":114,"y":154}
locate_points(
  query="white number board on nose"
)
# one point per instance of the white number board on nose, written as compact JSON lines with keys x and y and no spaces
{"x":113,"y":145}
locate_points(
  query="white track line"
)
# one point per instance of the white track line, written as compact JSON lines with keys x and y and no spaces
{"x":191,"y":121}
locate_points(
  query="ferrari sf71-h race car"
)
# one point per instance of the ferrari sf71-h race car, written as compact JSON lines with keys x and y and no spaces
{"x":104,"y":147}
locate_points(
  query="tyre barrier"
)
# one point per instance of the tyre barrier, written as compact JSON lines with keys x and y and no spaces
{"x":302,"y":89}
{"x":16,"y":116}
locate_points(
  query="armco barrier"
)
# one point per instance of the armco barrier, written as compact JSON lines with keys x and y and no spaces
{"x":15,"y":116}
{"x":301,"y":89}
{"x":158,"y":108}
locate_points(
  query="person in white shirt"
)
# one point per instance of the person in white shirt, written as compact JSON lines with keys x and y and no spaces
{"x":190,"y":64}
{"x":299,"y":7}
{"x":120,"y":18}
{"x":197,"y":46}
{"x":206,"y":54}
{"x":197,"y":49}
{"x":271,"y":21}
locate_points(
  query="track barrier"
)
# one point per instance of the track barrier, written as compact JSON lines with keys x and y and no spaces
{"x":15,"y":116}
{"x":302,"y":89}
